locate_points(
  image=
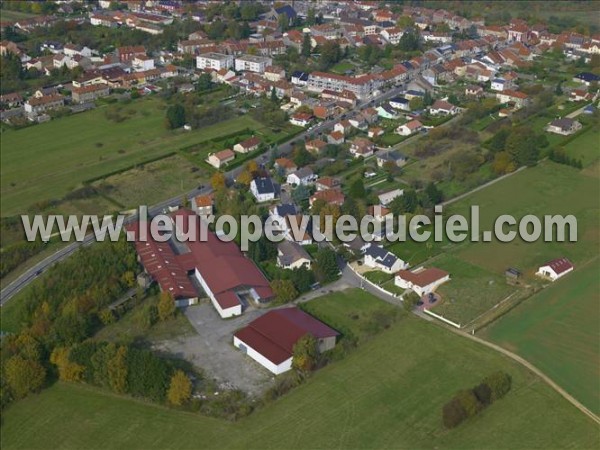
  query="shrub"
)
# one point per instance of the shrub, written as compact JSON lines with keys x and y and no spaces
{"x":499,"y":384}
{"x":453,"y":413}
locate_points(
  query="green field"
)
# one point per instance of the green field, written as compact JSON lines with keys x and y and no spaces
{"x":386,"y":394}
{"x":558,"y":331}
{"x":471,"y":291}
{"x":11,"y":16}
{"x":585,"y":147}
{"x":49,"y":160}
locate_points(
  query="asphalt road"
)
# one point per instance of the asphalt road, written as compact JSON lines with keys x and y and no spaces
{"x":284,"y":149}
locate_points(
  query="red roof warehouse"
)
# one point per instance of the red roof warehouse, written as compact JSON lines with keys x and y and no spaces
{"x":270,"y":339}
{"x":225,"y":274}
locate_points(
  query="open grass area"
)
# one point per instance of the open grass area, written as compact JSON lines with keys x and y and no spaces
{"x":548,"y":188}
{"x":358,"y":402}
{"x":11,"y":16}
{"x":378,"y":277}
{"x":471,"y":290}
{"x":585,"y":146}
{"x":342,"y":67}
{"x":153,"y":182}
{"x":558,"y":331}
{"x":49,"y":160}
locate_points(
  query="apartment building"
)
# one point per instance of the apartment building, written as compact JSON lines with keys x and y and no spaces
{"x":216,"y":61}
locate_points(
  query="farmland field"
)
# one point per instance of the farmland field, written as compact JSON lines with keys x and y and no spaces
{"x":558,"y":331}
{"x":585,"y":147}
{"x":355,"y":402}
{"x":49,"y":160}
{"x":9,"y":15}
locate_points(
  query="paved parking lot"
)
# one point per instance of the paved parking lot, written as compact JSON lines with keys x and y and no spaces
{"x":212,"y":349}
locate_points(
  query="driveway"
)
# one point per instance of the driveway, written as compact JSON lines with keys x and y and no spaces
{"x":212,"y":350}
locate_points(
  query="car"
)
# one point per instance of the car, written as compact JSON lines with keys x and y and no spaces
{"x":201,"y":187}
{"x":432,"y":299}
{"x":38,"y":272}
{"x":420,"y":303}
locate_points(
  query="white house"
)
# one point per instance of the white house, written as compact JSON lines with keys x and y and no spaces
{"x":564,"y":126}
{"x":387,"y":197}
{"x":555,"y":269}
{"x":247,"y":145}
{"x":422,"y":281}
{"x":301,"y":119}
{"x":400,"y":103}
{"x":303,"y":176}
{"x":379,"y":258}
{"x":441,"y":107}
{"x":291,"y":255}
{"x":263,"y":189}
{"x":409,"y":128}
{"x":219,"y":159}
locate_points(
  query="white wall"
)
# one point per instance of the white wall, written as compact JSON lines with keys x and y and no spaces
{"x":256,"y":356}
{"x":224,"y":313}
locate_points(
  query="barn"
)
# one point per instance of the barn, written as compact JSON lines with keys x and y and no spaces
{"x":555,"y":269}
{"x":270,"y":339}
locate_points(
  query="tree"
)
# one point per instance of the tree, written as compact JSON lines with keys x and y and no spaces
{"x":301,"y":156}
{"x":503,"y":163}
{"x":409,"y":42}
{"x":305,"y":354}
{"x":453,"y":413}
{"x":415,"y":103}
{"x":357,"y":189}
{"x":326,"y":268}
{"x":306,"y":45}
{"x":117,"y":370}
{"x":523,"y":146}
{"x":435,"y":195}
{"x":498,"y":141}
{"x":180,"y":389}
{"x":469,"y":402}
{"x":175,"y":116}
{"x":499,"y":383}
{"x":284,"y":290}
{"x":204,"y":82}
{"x":217,"y":181}
{"x":311,"y":17}
{"x":244,"y":178}
{"x":67,"y":370}
{"x":330,"y":54}
{"x":23,"y":376}
{"x":283,"y":22}
{"x":410,"y":301}
{"x":166,"y":306}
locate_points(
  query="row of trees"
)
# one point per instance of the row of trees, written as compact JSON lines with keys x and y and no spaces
{"x":470,"y":402}
{"x":514,"y":147}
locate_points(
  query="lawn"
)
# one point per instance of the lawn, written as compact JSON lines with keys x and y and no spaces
{"x":11,"y":16}
{"x":378,"y":277}
{"x":558,"y":331}
{"x":342,"y":67}
{"x":386,"y":394}
{"x":471,"y":290}
{"x":585,"y":146}
{"x":153,"y":182}
{"x":48,"y":160}
{"x":548,"y":188}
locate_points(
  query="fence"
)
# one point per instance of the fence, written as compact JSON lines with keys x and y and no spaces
{"x":443,"y":319}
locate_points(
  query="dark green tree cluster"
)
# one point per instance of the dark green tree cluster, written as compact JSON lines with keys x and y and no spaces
{"x":325,"y":266}
{"x":559,"y":155}
{"x":470,"y":402}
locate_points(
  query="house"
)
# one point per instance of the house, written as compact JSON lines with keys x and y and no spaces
{"x":274,"y":73}
{"x":303,"y":176}
{"x":379,"y":258}
{"x":374,"y":132}
{"x":270,"y":339}
{"x":203,"y":205}
{"x":387,"y":197}
{"x":388,"y":112}
{"x":400,"y":103}
{"x":379,"y":213}
{"x":520,"y":99}
{"x":361,"y":147}
{"x":564,"y":126}
{"x":586,"y":78}
{"x":391,"y":157}
{"x":219,"y":267}
{"x":301,"y":119}
{"x":280,"y":212}
{"x":343,"y":127}
{"x":291,"y":255}
{"x":295,"y":228}
{"x":12,"y":100}
{"x":286,"y":165}
{"x":335,"y":196}
{"x":219,"y":159}
{"x":335,"y":138}
{"x":89,"y":93}
{"x":555,"y":269}
{"x":443,"y":107}
{"x":316,"y":145}
{"x":216,"y":61}
{"x":324,"y":183}
{"x":300,"y":78}
{"x":252,"y":63}
{"x":263,"y":189}
{"x":474,"y":91}
{"x":357,"y":245}
{"x":359,"y":122}
{"x":248,"y":145}
{"x":501,"y":84}
{"x":37,"y":105}
{"x":422,"y":281}
{"x":409,"y":128}
{"x":580,"y":95}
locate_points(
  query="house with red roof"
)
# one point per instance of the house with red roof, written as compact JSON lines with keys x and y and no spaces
{"x":270,"y":339}
{"x":422,"y":281}
{"x":555,"y":269}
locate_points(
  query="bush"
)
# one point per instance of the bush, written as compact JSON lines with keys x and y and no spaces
{"x":453,"y":413}
{"x":483,"y":393}
{"x":499,"y":384}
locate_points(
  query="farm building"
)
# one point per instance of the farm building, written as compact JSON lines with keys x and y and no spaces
{"x":555,"y":269}
{"x":270,"y":339}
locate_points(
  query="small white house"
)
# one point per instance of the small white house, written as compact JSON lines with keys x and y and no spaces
{"x":555,"y":269}
{"x":379,"y":258}
{"x":303,"y":176}
{"x":263,"y":189}
{"x":422,"y":281}
{"x":409,"y":128}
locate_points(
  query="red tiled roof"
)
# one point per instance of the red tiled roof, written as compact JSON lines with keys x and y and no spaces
{"x":275,"y":333}
{"x":559,"y":265}
{"x":424,"y":277}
